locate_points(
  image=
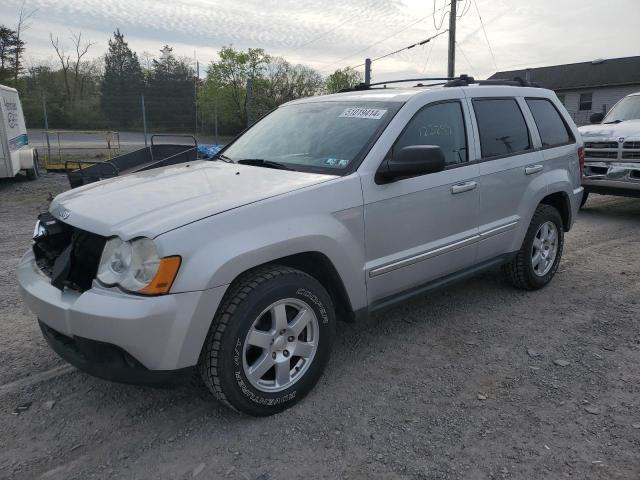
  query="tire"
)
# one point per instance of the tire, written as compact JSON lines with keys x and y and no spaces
{"x":34,"y":173}
{"x":523,"y":271}
{"x":252,"y":313}
{"x":585,"y":196}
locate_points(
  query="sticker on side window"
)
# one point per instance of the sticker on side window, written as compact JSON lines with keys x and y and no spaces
{"x":359,"y":112}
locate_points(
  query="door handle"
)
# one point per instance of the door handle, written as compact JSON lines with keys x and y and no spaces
{"x":463,"y":187}
{"x":531,"y":169}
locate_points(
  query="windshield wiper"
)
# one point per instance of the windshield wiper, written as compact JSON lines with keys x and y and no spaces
{"x":223,"y":157}
{"x":260,"y":162}
{"x":614,"y":121}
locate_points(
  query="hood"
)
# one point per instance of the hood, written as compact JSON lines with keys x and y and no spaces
{"x":155,"y":201}
{"x":628,"y":128}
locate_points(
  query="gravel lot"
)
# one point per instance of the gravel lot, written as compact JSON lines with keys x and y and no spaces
{"x":462,"y":383}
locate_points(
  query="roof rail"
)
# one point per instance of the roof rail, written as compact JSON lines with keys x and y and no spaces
{"x":364,"y":86}
{"x":465,"y":80}
{"x":461,"y":81}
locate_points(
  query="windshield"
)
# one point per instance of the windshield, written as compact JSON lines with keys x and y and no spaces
{"x":325,"y":137}
{"x":626,"y":109}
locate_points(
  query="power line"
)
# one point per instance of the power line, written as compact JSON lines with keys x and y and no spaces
{"x":465,"y":57}
{"x":433,"y":44}
{"x":485,"y":35}
{"x":326,"y":33}
{"x":383,"y":40}
{"x":423,"y":42}
{"x":444,"y":14}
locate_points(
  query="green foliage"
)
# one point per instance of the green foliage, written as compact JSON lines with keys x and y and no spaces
{"x":345,"y":78}
{"x":9,"y":45}
{"x":170,"y":95}
{"x":273,"y":81}
{"x":122,"y":84}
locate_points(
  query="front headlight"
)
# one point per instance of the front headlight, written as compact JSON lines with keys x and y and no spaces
{"x":136,"y":266}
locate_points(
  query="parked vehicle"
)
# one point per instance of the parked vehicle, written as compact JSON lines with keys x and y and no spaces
{"x":612,"y":150}
{"x":15,"y":153}
{"x":83,"y":172}
{"x":329,"y":207}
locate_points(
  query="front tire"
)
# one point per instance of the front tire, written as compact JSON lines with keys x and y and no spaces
{"x":269,"y":341}
{"x":537,"y":261}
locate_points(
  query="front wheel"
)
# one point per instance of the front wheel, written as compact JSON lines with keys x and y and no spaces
{"x":269,"y":342}
{"x":537,"y":261}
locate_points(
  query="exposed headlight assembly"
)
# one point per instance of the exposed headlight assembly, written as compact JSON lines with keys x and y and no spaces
{"x":135,"y":266}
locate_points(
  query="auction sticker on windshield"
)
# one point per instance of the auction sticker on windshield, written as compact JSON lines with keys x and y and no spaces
{"x":359,"y":112}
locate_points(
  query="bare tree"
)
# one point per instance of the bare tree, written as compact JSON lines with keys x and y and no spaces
{"x":64,"y":62}
{"x":68,"y":66}
{"x":23,"y":25}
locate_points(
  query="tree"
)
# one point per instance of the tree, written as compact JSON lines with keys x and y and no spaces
{"x":70,"y":67}
{"x":227,"y":80}
{"x":122,"y":83}
{"x":345,"y":78}
{"x":23,"y":24}
{"x":8,"y":45}
{"x":170,"y":95}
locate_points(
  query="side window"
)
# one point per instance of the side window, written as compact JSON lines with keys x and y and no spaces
{"x":441,"y":124}
{"x":503,"y":130}
{"x":553,"y":130}
{"x":585,"y":101}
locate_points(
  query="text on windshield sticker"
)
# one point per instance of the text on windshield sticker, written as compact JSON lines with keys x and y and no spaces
{"x":359,"y":112}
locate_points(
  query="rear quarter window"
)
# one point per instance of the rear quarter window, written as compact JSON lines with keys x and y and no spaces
{"x":552,"y":128}
{"x":503,"y":130}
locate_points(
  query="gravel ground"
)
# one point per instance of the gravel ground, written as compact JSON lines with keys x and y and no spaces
{"x":478,"y":381}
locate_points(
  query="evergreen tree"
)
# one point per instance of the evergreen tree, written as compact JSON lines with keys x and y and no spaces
{"x":122,"y":83}
{"x":170,"y":93}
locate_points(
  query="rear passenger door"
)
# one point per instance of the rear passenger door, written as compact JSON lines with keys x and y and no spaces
{"x":509,"y":166}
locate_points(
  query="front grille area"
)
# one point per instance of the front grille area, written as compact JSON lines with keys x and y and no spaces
{"x":600,"y":154}
{"x":601,"y":145}
{"x":632,"y":155}
{"x":67,"y":255}
{"x":631,"y":145}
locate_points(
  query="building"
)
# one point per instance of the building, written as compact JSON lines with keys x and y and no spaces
{"x":587,"y":87}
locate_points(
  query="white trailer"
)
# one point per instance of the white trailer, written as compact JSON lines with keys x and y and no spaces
{"x":15,"y":153}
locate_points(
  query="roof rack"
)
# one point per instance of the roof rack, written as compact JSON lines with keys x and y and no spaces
{"x":461,"y":81}
{"x":465,"y":80}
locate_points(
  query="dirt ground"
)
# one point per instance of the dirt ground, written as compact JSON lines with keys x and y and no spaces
{"x":460,"y":384}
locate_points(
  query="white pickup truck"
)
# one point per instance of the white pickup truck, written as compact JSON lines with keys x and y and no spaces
{"x":15,"y":153}
{"x":612,"y":150}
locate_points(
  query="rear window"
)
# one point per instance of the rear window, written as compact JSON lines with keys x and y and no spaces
{"x":503,"y":130}
{"x":553,"y":130}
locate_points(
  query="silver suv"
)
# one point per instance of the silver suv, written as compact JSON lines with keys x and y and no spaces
{"x":329,"y":207}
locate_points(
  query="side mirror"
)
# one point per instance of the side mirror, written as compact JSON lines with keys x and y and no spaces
{"x":596,"y":117}
{"x":411,"y":161}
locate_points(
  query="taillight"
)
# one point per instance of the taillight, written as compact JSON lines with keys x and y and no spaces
{"x":581,"y":160}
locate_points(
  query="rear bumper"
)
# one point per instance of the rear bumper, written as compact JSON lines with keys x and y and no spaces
{"x":160,"y":333}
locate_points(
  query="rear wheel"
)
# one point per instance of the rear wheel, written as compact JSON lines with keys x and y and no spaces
{"x":585,"y":196}
{"x":537,"y":260}
{"x":34,"y":171}
{"x":269,"y":342}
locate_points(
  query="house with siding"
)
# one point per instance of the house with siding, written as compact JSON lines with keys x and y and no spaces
{"x":587,"y":87}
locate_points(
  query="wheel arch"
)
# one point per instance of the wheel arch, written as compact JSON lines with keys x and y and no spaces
{"x":320,"y":267}
{"x":561,"y":202}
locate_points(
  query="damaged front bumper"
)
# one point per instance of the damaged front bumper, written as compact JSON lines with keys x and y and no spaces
{"x":118,"y":336}
{"x":612,"y":178}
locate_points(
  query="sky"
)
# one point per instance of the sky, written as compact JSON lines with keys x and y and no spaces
{"x":330,"y":34}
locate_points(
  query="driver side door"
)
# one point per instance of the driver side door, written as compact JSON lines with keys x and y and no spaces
{"x":423,"y":228}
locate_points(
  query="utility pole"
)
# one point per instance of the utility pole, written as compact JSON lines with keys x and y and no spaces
{"x":144,"y":120}
{"x":367,"y":71}
{"x":451,"y":69}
